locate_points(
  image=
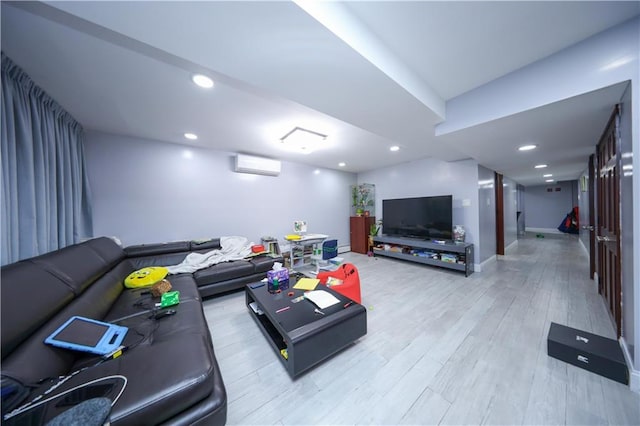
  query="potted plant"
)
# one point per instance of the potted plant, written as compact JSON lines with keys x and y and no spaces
{"x":373,"y":231}
{"x":375,"y":228}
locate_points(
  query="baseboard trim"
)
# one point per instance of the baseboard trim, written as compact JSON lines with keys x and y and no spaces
{"x":344,"y":249}
{"x":634,"y":375}
{"x":544,"y":230}
{"x":511,"y":246}
{"x":478,"y":267}
{"x":586,"y":250}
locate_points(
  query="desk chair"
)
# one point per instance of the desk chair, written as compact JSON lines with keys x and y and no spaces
{"x":328,"y":250}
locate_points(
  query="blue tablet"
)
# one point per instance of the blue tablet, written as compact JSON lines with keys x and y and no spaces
{"x":88,"y":335}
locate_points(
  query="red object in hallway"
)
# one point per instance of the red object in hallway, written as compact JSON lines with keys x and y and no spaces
{"x":348,"y":273}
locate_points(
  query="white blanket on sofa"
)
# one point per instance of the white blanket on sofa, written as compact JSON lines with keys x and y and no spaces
{"x":232,"y":248}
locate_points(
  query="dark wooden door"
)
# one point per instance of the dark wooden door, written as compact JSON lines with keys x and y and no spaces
{"x":608,"y":219}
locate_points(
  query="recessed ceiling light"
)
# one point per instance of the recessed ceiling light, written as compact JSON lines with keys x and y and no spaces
{"x":342,"y":164}
{"x":527,"y":147}
{"x":547,"y":175}
{"x":191,"y":136}
{"x":394,"y":148}
{"x":202,"y":81}
{"x":540,"y":166}
{"x":549,"y":180}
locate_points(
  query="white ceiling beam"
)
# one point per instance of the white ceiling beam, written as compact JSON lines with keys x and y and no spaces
{"x":602,"y":60}
{"x":337,"y":19}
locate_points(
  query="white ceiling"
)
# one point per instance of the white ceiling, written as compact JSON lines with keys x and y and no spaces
{"x":125,"y":67}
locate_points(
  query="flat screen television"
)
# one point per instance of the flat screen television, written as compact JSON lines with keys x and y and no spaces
{"x":421,"y":217}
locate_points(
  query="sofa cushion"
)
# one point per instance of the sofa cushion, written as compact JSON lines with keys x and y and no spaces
{"x":169,"y":366}
{"x":163,"y":379}
{"x":81,"y":264}
{"x":223,"y":271}
{"x":30,"y":297}
{"x":107,"y":249}
{"x":133,"y":303}
{"x":33,"y":360}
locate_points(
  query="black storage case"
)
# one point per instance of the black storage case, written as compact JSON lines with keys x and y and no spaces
{"x":591,"y":352}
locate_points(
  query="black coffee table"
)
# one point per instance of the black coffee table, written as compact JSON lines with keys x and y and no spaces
{"x":301,"y":337}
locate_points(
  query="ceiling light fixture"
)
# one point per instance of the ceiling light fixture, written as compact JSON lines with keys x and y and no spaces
{"x":540,"y":166}
{"x":394,"y":148}
{"x":202,"y":81}
{"x":302,"y":140}
{"x":342,"y":164}
{"x":191,"y":136}
{"x":527,"y":147}
{"x":549,"y":180}
{"x":547,"y":175}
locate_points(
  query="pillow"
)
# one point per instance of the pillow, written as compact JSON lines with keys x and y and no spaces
{"x":145,"y":277}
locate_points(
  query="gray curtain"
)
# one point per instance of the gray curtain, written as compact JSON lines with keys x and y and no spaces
{"x":45,"y":191}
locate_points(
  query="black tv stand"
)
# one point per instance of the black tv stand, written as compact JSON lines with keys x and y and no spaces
{"x":449,"y":254}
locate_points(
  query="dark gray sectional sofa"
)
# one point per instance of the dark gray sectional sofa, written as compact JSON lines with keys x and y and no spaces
{"x":170,"y":368}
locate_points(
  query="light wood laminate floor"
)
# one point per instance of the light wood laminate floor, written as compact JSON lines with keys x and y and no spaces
{"x":440,"y":349}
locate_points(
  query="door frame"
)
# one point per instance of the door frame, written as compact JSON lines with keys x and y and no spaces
{"x":499,"y":190}
{"x":609,"y":248}
{"x":592,"y":216}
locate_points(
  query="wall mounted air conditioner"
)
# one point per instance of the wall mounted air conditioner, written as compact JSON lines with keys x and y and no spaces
{"x":257,"y":165}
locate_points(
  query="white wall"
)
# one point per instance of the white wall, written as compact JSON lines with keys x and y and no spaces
{"x":149,"y":191}
{"x":583,"y":204}
{"x":429,"y":177}
{"x":520,"y":208}
{"x":545,"y":210}
{"x":510,"y":208}
{"x":486,"y":213}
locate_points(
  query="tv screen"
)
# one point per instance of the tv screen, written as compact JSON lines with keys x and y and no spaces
{"x":422,"y":217}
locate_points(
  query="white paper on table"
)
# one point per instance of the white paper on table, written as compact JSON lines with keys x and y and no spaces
{"x":323,"y":299}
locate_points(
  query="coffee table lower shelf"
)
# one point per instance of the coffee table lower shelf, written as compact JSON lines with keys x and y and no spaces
{"x":312,"y":342}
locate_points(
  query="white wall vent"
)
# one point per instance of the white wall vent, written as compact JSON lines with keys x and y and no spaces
{"x":257,"y":165}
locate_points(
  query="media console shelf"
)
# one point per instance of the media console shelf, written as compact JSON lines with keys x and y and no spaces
{"x":458,"y":256}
